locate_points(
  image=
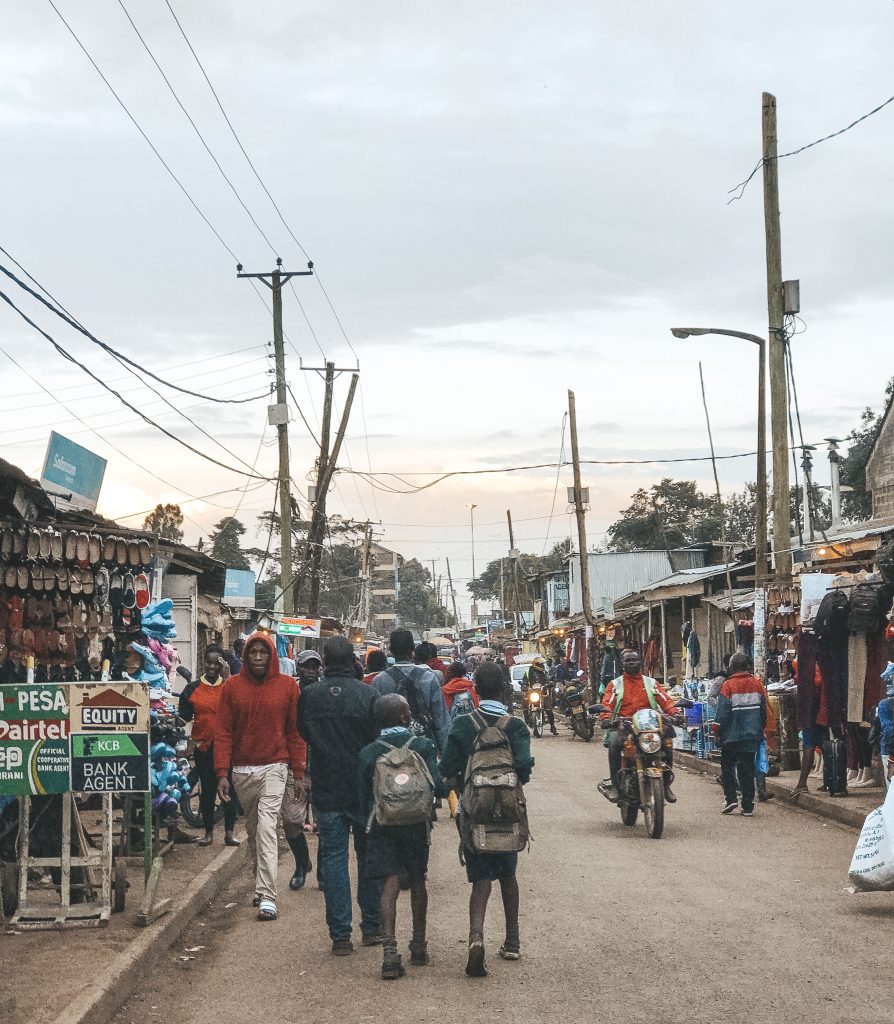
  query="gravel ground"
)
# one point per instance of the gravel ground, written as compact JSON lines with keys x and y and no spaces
{"x":725,"y":919}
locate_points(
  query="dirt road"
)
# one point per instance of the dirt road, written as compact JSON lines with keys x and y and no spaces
{"x":726,"y":919}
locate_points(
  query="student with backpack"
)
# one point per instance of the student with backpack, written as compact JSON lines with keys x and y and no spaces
{"x":488,"y":758}
{"x":419,"y":686}
{"x":399,"y":780}
{"x":459,"y":691}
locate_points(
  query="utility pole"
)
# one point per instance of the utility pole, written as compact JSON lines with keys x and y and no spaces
{"x":581,"y":514}
{"x":776,"y":344}
{"x":279,"y":414}
{"x":513,"y":560}
{"x":502,"y":596}
{"x":318,"y":519}
{"x":452,"y":598}
{"x":366,"y":574}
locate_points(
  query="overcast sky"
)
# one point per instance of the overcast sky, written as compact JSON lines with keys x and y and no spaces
{"x":503,"y":201}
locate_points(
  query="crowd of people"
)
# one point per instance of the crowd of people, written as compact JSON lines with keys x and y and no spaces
{"x":383,"y":743}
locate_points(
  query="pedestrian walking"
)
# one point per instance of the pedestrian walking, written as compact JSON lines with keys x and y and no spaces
{"x":335,"y":717}
{"x":419,"y":685}
{"x":741,"y":721}
{"x":399,"y":779}
{"x":198,"y":704}
{"x":459,"y":691}
{"x":488,"y":746}
{"x":376,"y":662}
{"x":256,"y":735}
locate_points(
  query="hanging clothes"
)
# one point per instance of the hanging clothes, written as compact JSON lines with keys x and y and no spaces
{"x":652,"y":657}
{"x":805,"y":677}
{"x":693,"y":653}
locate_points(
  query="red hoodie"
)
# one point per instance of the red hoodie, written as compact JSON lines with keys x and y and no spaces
{"x":257,"y":722}
{"x":452,"y":687}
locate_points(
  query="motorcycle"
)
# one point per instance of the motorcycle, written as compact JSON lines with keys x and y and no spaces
{"x":641,"y":778}
{"x":577,"y":713}
{"x":533,"y":710}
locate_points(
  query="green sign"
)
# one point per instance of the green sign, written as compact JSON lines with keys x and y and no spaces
{"x":34,"y":754}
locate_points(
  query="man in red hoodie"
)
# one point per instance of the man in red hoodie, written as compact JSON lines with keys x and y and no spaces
{"x":257,"y":734}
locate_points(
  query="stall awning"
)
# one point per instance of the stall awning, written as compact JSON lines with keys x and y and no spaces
{"x":742,"y":599}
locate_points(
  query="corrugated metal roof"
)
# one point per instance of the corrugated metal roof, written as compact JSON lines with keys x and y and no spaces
{"x":614,"y":574}
{"x":687,"y":576}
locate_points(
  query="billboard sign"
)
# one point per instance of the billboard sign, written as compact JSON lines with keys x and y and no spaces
{"x":109,"y":707}
{"x":116,"y":763}
{"x":69,"y":467}
{"x":299,"y":627}
{"x":239,"y":589}
{"x":34,"y":754}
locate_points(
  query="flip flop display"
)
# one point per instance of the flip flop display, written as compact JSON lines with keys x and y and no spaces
{"x":141,"y":589}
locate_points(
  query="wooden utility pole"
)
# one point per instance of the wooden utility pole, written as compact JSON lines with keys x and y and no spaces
{"x":581,"y":516}
{"x":776,"y":344}
{"x":366,"y":576}
{"x":513,"y":561}
{"x":279,"y":414}
{"x":452,"y":598}
{"x":318,"y":519}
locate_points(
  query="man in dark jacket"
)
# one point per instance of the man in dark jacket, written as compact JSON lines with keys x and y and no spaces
{"x":741,"y":720}
{"x":335,"y":716}
{"x":418,"y":684}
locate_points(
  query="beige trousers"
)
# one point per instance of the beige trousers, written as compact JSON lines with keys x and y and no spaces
{"x":261,"y":793}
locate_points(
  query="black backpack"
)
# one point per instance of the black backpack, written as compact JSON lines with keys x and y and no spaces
{"x":421,"y":721}
{"x":868,"y":606}
{"x":831,"y":616}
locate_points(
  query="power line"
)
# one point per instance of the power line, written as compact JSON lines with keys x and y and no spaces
{"x":139,"y":128}
{"x":56,"y":308}
{"x":740,"y":188}
{"x":195,"y":128}
{"x":67,"y":355}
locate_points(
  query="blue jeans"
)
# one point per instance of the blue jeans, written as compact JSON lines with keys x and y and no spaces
{"x":335,"y":831}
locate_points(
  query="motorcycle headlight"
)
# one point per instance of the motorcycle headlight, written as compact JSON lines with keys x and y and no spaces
{"x":649,"y":742}
{"x":535,"y":697}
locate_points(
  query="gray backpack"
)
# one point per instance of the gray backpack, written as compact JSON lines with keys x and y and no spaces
{"x":403,"y":790}
{"x":494,"y":816}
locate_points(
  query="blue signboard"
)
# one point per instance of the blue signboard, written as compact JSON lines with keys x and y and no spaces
{"x":239,"y":589}
{"x":69,"y":467}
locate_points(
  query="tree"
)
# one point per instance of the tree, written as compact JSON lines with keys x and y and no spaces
{"x":165,"y":521}
{"x":856,"y":505}
{"x":417,"y":604}
{"x":225,"y":546}
{"x":668,"y":515}
{"x":486,"y":585}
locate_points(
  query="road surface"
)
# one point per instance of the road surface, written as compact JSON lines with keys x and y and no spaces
{"x":725,"y":919}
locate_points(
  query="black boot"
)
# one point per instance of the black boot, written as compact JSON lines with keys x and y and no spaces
{"x":299,"y":849}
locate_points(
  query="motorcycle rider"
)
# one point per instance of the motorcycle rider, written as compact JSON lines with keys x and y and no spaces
{"x":536,"y":676}
{"x":628,"y":693}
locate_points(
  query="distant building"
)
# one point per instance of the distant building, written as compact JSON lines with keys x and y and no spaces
{"x":385,"y":565}
{"x":880,"y":467}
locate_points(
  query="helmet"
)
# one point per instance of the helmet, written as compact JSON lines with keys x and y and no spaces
{"x":538,"y":663}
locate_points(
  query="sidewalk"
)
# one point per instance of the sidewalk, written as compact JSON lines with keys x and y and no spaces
{"x":84,"y":974}
{"x":850,"y":810}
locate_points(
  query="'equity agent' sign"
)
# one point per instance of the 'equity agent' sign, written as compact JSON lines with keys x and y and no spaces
{"x":109,"y":707}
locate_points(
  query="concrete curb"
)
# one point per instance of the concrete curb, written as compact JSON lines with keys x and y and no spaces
{"x":102,"y":998}
{"x":834,"y":810}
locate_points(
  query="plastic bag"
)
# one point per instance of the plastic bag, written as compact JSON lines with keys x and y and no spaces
{"x":872,"y":866}
{"x":762,"y":762}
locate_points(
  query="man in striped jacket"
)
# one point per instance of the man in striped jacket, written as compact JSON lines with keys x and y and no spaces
{"x":741,"y":720}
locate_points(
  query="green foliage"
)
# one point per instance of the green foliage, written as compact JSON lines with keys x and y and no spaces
{"x":165,"y":521}
{"x":225,"y":546}
{"x":856,"y":505}
{"x":671,"y":514}
{"x":417,"y":604}
{"x":486,"y":585}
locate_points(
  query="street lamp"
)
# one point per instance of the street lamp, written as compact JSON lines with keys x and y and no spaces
{"x":760,"y":504}
{"x":471,"y":509}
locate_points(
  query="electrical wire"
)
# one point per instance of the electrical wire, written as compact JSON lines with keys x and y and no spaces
{"x":740,"y":188}
{"x":146,"y":419}
{"x":556,"y":488}
{"x":139,"y":128}
{"x":195,"y":128}
{"x":58,"y":310}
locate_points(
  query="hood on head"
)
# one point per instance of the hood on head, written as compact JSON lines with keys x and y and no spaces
{"x":273,"y":665}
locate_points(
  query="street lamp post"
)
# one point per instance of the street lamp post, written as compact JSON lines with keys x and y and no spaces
{"x":471,"y":507}
{"x":760,"y":503}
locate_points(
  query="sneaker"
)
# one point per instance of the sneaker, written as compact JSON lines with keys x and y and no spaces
{"x":764,"y":797}
{"x":729,"y":808}
{"x":372,"y":939}
{"x":475,"y":965}
{"x":392,"y":966}
{"x":419,"y":954}
{"x":342,"y":947}
{"x":510,"y":950}
{"x":747,"y":814}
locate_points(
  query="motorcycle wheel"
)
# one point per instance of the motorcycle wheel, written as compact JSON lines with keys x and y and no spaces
{"x":189,"y":804}
{"x":653,"y":810}
{"x":538,"y":724}
{"x":628,"y":813}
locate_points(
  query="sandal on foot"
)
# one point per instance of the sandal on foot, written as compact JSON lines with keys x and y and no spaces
{"x":256,"y":901}
{"x":266,"y":910}
{"x":475,"y":965}
{"x":510,"y":950}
